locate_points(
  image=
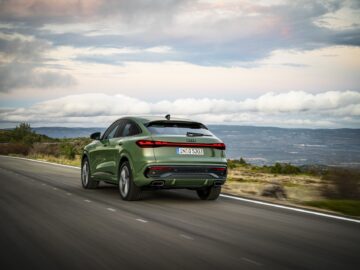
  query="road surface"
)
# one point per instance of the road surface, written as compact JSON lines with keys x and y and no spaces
{"x":48,"y":221}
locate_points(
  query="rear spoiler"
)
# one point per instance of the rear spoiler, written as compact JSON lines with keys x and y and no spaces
{"x":175,"y":122}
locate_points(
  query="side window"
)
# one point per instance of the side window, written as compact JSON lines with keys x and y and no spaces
{"x":120,"y":129}
{"x":111,"y":131}
{"x":130,"y":129}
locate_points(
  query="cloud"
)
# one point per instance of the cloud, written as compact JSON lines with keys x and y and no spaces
{"x":22,"y":62}
{"x":200,"y":32}
{"x":39,"y":12}
{"x":294,"y":109}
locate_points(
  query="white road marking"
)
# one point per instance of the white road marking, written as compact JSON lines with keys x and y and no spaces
{"x":225,"y":196}
{"x":43,"y":184}
{"x":68,"y":193}
{"x":45,"y":162}
{"x":251,"y":261}
{"x":186,"y":237}
{"x":87,"y":201}
{"x":142,"y":220}
{"x":290,"y":208}
{"x":111,"y":209}
{"x":54,"y":188}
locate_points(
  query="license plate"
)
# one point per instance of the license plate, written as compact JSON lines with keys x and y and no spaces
{"x":190,"y":151}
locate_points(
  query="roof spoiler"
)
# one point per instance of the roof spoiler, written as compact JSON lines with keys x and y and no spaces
{"x":174,"y":122}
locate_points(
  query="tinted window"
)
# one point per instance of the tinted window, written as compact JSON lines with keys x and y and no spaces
{"x":112,"y":133}
{"x":113,"y":130}
{"x":178,"y":128}
{"x":130,"y":129}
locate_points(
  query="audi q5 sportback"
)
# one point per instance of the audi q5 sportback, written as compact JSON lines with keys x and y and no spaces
{"x":140,"y":153}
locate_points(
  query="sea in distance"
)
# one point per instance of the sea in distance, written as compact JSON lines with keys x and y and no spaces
{"x":267,"y":145}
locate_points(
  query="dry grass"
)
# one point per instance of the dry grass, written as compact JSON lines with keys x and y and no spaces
{"x":60,"y":159}
{"x":299,"y":188}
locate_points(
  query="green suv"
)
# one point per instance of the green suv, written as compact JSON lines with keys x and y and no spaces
{"x":142,"y":153}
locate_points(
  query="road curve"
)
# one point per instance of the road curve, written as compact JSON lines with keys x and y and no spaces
{"x":48,"y":221}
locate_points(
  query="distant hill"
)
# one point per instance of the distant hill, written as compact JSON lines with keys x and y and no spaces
{"x":65,"y":132}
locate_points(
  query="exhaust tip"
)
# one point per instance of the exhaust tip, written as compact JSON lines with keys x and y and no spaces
{"x":158,"y":183}
{"x":218,"y":183}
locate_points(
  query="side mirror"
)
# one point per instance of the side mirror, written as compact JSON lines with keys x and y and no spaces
{"x":95,"y":136}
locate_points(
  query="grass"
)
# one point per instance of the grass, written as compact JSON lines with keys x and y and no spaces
{"x":60,"y":160}
{"x":347,"y":207}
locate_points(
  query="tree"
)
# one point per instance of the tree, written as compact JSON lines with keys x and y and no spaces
{"x":242,"y":161}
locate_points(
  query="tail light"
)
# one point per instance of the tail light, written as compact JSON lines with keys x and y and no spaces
{"x":152,"y":144}
{"x":157,"y":170}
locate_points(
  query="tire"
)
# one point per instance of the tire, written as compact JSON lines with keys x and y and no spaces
{"x":86,"y":180}
{"x":209,"y":194}
{"x":127,"y":188}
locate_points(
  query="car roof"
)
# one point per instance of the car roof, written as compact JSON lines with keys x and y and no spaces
{"x":147,"y":119}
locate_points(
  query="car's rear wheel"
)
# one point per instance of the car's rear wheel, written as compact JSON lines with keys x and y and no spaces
{"x":128,"y":190}
{"x":86,"y":180}
{"x":209,"y":193}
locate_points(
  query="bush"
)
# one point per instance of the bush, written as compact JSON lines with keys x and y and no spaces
{"x":342,"y":184}
{"x":242,"y":161}
{"x":232,"y":163}
{"x":285,"y":168}
{"x":51,"y":149}
{"x":23,"y":134}
{"x":14,"y":148}
{"x":68,"y":150}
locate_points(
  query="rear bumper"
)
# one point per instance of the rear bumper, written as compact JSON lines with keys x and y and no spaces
{"x":185,"y":176}
{"x":186,"y":172}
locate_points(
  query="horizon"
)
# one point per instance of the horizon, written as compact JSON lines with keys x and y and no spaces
{"x":216,"y":124}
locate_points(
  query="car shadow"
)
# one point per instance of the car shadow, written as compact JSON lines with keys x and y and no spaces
{"x":183,"y":195}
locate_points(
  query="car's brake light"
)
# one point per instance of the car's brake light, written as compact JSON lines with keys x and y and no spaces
{"x":160,"y":168}
{"x":151,"y":144}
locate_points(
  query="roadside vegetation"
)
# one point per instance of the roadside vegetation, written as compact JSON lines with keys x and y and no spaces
{"x":333,"y":189}
{"x":23,"y":141}
{"x":329,"y":188}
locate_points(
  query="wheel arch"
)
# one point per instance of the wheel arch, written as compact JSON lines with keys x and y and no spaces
{"x":84,"y":155}
{"x":123,"y":158}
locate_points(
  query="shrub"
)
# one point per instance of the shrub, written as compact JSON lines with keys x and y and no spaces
{"x":14,"y":148}
{"x":276,"y":169}
{"x":68,"y":150}
{"x":51,"y":149}
{"x":242,"y":161}
{"x":232,"y":163}
{"x":342,"y":184}
{"x":285,"y":168}
{"x":23,"y":134}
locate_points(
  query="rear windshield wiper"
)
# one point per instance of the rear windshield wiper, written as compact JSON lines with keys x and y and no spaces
{"x":194,"y":134}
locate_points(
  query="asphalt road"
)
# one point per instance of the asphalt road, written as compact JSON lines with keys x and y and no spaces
{"x":48,"y":221}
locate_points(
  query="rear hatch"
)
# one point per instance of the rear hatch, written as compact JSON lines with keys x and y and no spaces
{"x":185,"y":142}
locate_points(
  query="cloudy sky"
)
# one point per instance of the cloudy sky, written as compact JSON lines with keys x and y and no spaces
{"x":269,"y":63}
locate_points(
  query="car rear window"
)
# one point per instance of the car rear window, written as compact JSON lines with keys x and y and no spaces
{"x":178,"y":128}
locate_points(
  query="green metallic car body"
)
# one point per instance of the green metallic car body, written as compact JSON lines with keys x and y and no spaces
{"x":137,"y":153}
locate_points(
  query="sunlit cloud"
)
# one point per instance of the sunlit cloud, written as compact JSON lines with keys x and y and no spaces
{"x":329,"y":109}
